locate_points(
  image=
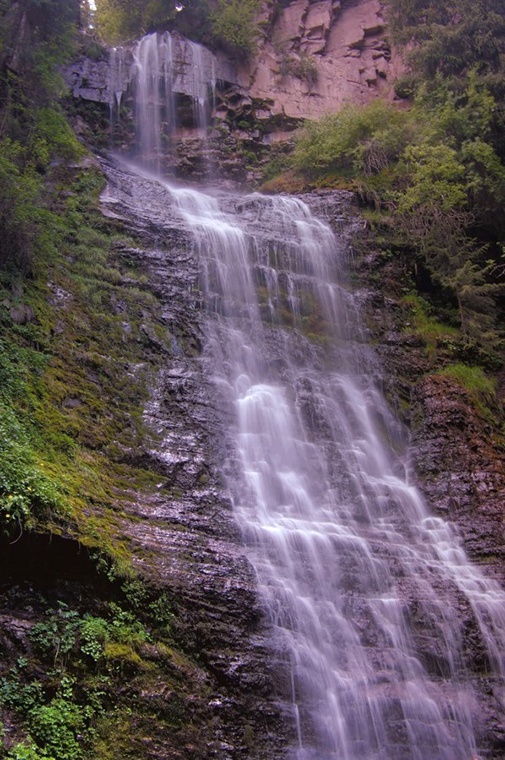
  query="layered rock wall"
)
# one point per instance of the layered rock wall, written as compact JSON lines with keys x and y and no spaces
{"x":314,"y":57}
{"x":104,"y":78}
{"x":320,"y":55}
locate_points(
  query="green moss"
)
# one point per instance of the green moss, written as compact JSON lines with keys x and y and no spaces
{"x":123,"y":654}
{"x":114,"y":734}
{"x":421,"y":323}
{"x":74,"y":382}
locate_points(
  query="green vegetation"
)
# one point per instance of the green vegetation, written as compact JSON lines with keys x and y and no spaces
{"x":431,"y":178}
{"x":63,"y":694}
{"x":474,"y":380}
{"x":354,"y":142}
{"x":69,"y":404}
{"x":27,"y":494}
{"x":421,"y":321}
{"x":480,"y":388}
{"x":76,"y":359}
{"x":234,"y":24}
{"x":229,"y":23}
{"x":436,"y":174}
{"x":120,"y":20}
{"x":450,"y":38}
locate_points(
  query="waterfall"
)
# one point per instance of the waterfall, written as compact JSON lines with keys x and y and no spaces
{"x":203,"y":82}
{"x":117,"y":81}
{"x":167,"y":66}
{"x":370,"y":598}
{"x":353,"y":570}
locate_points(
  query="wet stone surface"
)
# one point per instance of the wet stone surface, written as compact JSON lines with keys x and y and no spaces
{"x":186,"y":538}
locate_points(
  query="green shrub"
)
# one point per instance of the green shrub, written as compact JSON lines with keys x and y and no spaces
{"x":124,"y":626}
{"x":28,"y":751}
{"x":354,"y":141}
{"x":437,"y":172}
{"x":94,"y":635}
{"x":119,"y":20}
{"x":56,"y":637}
{"x":449,"y":37}
{"x":56,"y":727}
{"x":436,"y":177}
{"x":18,"y":696}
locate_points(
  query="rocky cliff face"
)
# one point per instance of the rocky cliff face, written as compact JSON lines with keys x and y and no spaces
{"x":314,"y":57}
{"x":456,"y":441}
{"x":319,"y":55}
{"x":202,"y":683}
{"x":225,"y":700}
{"x":111,"y":72}
{"x":185,"y":538}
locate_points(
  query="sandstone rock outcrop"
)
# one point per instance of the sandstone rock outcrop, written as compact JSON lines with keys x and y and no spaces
{"x":320,"y":55}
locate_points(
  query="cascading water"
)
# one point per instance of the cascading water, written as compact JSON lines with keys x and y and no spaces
{"x":343,"y":545}
{"x":367,"y":593}
{"x":116,"y":81}
{"x":166,"y":64}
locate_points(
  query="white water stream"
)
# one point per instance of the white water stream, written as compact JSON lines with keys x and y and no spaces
{"x":165,"y":64}
{"x":367,"y":592}
{"x":371,"y":598}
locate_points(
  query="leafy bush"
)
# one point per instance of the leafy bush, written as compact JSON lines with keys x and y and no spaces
{"x":28,"y":751}
{"x":449,"y":37}
{"x":19,"y":696}
{"x":57,"y":718}
{"x":119,"y":20}
{"x":355,"y":140}
{"x":94,"y":635}
{"x":435,"y":168}
{"x":124,"y":626}
{"x":65,"y":633}
{"x":56,"y":726}
{"x":56,"y":637}
{"x":436,"y":177}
